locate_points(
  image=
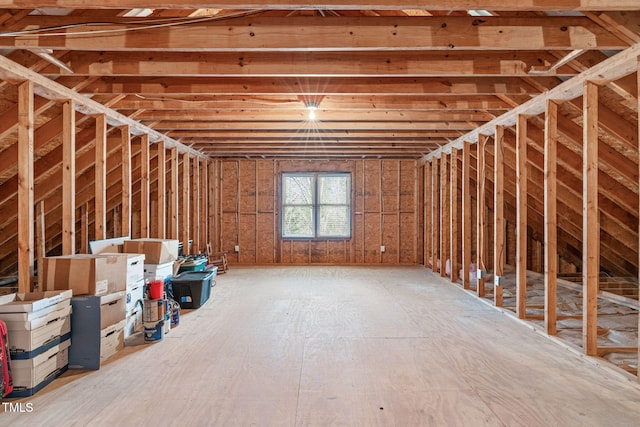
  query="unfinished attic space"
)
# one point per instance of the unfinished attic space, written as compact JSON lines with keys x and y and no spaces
{"x":302,"y":213}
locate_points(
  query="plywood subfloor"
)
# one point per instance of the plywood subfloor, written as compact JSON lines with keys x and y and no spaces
{"x":317,"y":346}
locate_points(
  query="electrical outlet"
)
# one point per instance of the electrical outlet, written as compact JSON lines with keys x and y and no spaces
{"x":481,"y":274}
{"x":382,"y":248}
{"x":498,"y":281}
{"x":236,"y":248}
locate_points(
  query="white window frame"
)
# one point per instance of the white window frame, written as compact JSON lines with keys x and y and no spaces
{"x":316,"y":205}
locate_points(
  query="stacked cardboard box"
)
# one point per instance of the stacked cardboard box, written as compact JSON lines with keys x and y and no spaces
{"x":86,"y":274}
{"x":159,"y":256}
{"x":162,"y":271}
{"x":97,"y":329}
{"x":99,"y":284}
{"x":38,"y":325}
{"x":135,"y":292}
{"x":156,"y":251}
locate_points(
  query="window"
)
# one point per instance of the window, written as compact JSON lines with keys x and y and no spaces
{"x":316,"y":205}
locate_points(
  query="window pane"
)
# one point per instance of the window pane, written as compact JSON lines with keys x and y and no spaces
{"x":334,"y":221}
{"x":298,"y":190}
{"x":298,"y":221}
{"x":333,"y":189}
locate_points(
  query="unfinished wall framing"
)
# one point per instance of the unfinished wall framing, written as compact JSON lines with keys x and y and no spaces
{"x":97,"y":184}
{"x":385,"y":212}
{"x":548,"y":173}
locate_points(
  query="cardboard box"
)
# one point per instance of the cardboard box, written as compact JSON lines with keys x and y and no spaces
{"x":113,"y":245}
{"x":100,"y":311}
{"x":135,"y":297}
{"x":28,"y":339}
{"x":135,"y":267}
{"x":31,"y":305}
{"x":134,"y":323}
{"x":111,"y":340}
{"x":31,"y":375}
{"x":90,"y":347}
{"x":158,"y":271}
{"x":156,"y":251}
{"x":86,"y":274}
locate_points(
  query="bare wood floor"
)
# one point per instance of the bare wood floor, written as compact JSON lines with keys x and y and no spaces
{"x":317,"y":346}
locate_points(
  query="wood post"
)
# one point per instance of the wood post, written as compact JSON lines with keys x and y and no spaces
{"x":41,"y":244}
{"x":466,"y":214}
{"x":453,"y":216}
{"x":173,"y":194}
{"x":204,"y":200}
{"x":25,"y":187}
{"x":444,"y":214}
{"x":84,"y":229}
{"x":117,"y":221}
{"x":481,"y":231}
{"x":591,"y":226}
{"x":213,"y":212}
{"x":550,"y":219}
{"x":68,"y":178}
{"x":195,"y":206}
{"x":184,"y":214}
{"x":145,"y":159}
{"x":428,"y":202}
{"x":498,"y":216}
{"x":638,"y":98}
{"x":161,"y":172}
{"x":126,"y":181}
{"x":521,"y":216}
{"x":435,"y":218}
{"x":100,"y":210}
{"x":381,"y":215}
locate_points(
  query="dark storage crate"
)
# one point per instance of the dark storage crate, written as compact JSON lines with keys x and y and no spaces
{"x":192,"y":288}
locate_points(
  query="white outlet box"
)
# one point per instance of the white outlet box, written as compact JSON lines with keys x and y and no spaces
{"x":381,"y":248}
{"x":236,"y":248}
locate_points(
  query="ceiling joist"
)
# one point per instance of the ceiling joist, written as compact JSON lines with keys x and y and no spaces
{"x":442,"y":5}
{"x":264,"y":34}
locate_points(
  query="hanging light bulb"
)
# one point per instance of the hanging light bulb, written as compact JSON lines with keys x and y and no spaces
{"x":311,"y":107}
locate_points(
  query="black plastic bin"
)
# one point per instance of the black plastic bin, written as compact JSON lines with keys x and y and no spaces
{"x":192,"y":288}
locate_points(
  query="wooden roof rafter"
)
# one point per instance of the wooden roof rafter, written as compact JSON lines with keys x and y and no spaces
{"x":614,"y":68}
{"x":11,"y":71}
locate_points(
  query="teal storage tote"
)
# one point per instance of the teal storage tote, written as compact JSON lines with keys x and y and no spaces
{"x":198,"y":264}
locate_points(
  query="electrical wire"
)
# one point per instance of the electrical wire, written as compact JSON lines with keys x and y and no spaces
{"x":167,"y":22}
{"x":252,"y":101}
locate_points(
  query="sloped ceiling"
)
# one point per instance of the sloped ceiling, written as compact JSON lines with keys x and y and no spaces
{"x":385,"y":80}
